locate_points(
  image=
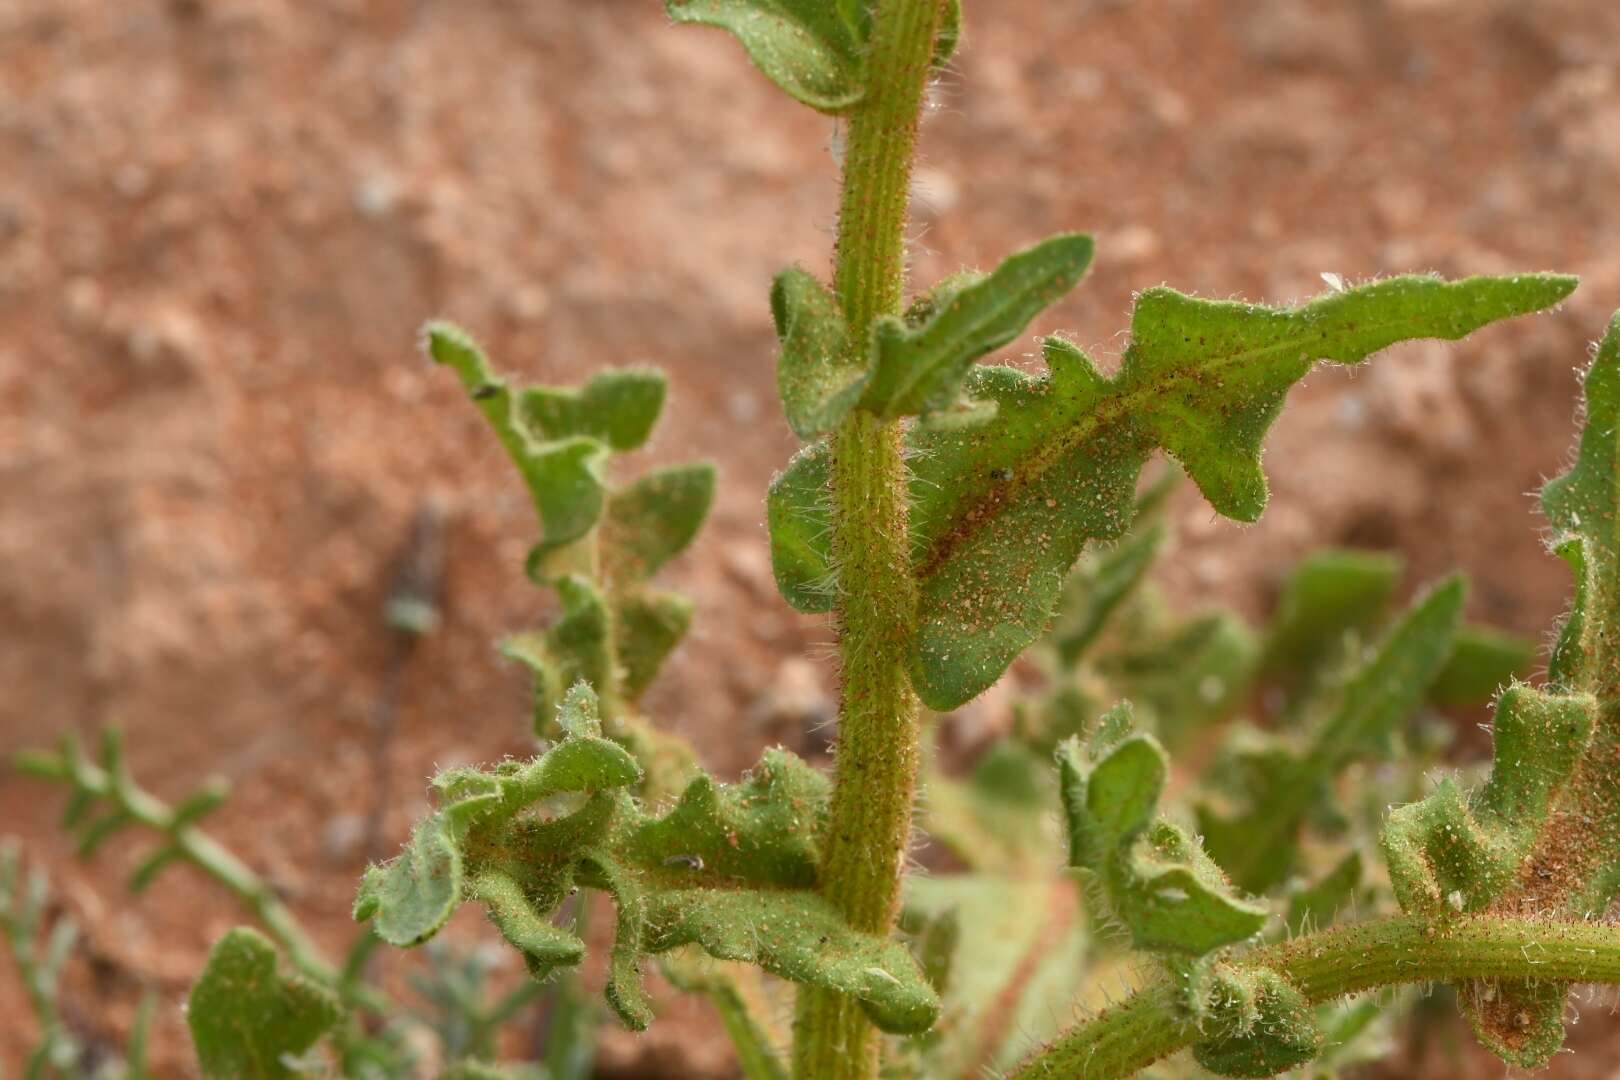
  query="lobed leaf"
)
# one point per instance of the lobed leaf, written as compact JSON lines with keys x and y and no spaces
{"x":919,"y":368}
{"x":732,"y":869}
{"x":1455,"y":853}
{"x":1001,"y":511}
{"x":565,"y":476}
{"x":248,"y":1022}
{"x":1153,"y":877}
{"x":653,"y":519}
{"x":1542,"y":837}
{"x":616,"y":407}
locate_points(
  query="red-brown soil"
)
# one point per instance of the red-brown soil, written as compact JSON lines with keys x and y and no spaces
{"x":221,"y":222}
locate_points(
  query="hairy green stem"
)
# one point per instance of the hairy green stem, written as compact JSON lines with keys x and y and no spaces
{"x":1150,"y":1026}
{"x":878,"y":752}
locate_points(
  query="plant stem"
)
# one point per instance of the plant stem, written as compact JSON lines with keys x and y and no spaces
{"x":878,"y":754}
{"x":190,"y":844}
{"x":1150,"y":1026}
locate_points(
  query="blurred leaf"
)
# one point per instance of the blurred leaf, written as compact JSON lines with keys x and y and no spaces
{"x":1483,"y":661}
{"x":617,"y":407}
{"x":1258,"y":844}
{"x":647,"y":624}
{"x":1329,"y":595}
{"x":1154,"y":877}
{"x":248,"y":1021}
{"x":564,"y":476}
{"x":1015,"y":947}
{"x":653,"y":519}
{"x":733,"y":990}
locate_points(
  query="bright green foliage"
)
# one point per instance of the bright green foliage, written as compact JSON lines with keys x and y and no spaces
{"x":1002,"y":509}
{"x":813,"y":49}
{"x":730,"y":869}
{"x":1152,"y":875}
{"x":1542,"y":837}
{"x":247,"y":1020}
{"x":1283,"y":784}
{"x":652,"y":520}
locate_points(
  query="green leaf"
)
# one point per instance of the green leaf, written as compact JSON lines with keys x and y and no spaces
{"x":1258,"y":843}
{"x":1452,"y":853}
{"x":1000,"y":512}
{"x":1249,"y":356}
{"x":1151,"y":875}
{"x":652,"y":520}
{"x":1330,"y":596}
{"x":819,"y":377}
{"x":248,"y":1021}
{"x":1483,"y":661}
{"x":1542,"y":837}
{"x":722,"y":866}
{"x":813,"y":49}
{"x":797,"y":517}
{"x":564,"y":476}
{"x":647,"y":625}
{"x":917,"y":369}
{"x":617,"y":407}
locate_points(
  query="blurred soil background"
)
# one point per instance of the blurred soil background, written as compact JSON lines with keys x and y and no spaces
{"x":222,"y":221}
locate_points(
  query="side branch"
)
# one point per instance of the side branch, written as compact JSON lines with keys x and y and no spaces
{"x":1148,"y":1027}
